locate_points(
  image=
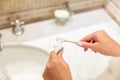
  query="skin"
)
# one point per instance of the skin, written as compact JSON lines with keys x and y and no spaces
{"x":58,"y":69}
{"x":102,"y":43}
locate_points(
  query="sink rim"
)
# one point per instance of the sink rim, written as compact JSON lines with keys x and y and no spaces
{"x":25,"y":46}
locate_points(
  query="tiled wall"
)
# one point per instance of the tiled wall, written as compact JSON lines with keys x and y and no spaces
{"x":35,"y":10}
{"x":11,"y":6}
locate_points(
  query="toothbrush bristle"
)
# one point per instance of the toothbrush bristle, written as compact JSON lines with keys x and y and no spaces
{"x":60,"y":40}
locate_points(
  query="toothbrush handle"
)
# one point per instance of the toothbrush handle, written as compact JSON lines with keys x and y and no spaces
{"x":80,"y":43}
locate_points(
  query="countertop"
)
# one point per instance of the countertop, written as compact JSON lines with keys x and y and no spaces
{"x":84,"y":65}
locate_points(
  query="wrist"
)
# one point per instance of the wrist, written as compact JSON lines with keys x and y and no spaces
{"x":116,"y":50}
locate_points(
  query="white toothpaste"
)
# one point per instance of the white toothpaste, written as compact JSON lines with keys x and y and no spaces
{"x":61,"y":40}
{"x":58,"y":47}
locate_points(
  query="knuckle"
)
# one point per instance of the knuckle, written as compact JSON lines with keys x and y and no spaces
{"x":54,"y":61}
{"x":100,"y":31}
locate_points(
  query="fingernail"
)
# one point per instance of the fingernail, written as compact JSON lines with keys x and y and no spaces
{"x":95,"y":51}
{"x":80,"y":44}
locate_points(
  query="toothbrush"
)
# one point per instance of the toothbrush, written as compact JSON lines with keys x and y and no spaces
{"x":61,"y":40}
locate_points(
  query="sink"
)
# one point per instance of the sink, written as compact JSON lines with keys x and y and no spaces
{"x":21,"y":62}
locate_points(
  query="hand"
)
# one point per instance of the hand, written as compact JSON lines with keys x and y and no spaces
{"x":57,"y":68}
{"x":101,"y":42}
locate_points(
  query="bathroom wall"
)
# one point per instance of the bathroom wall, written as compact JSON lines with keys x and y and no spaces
{"x":12,"y":6}
{"x":36,"y":10}
{"x":113,"y":8}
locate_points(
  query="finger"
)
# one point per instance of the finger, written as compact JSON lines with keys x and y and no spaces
{"x":44,"y":74}
{"x":87,"y":45}
{"x":53,"y":55}
{"x":44,"y":71}
{"x":61,"y":57}
{"x":87,"y":38}
{"x":85,"y":49}
{"x":94,"y":51}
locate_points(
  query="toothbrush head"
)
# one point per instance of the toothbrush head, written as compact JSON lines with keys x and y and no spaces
{"x":60,"y":40}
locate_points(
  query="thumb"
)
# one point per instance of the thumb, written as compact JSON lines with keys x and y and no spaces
{"x":87,"y":44}
{"x":52,"y":55}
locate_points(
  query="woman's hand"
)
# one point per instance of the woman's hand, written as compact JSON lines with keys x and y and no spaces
{"x":101,"y":42}
{"x":57,"y":68}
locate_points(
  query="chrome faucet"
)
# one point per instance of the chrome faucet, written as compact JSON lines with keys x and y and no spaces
{"x":17,"y":29}
{"x":1,"y":47}
{"x":67,"y":6}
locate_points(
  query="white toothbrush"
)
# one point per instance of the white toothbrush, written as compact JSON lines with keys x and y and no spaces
{"x":61,"y":40}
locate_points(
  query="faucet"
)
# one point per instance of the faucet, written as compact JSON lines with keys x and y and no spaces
{"x":17,"y":29}
{"x":1,"y":47}
{"x":67,"y":6}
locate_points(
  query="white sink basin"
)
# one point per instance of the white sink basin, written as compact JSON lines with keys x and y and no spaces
{"x":23,"y":62}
